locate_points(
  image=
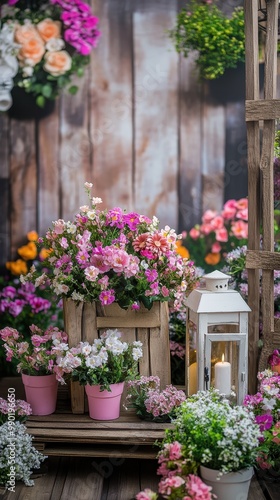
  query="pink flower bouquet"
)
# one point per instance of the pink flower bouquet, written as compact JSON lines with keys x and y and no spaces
{"x":36,"y":356}
{"x":114,"y":256}
{"x":19,"y":408}
{"x":176,"y":482}
{"x":152,"y":404}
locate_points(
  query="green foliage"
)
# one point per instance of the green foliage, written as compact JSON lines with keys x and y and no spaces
{"x":219,"y":40}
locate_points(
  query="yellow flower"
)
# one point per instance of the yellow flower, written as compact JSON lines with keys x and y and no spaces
{"x":44,"y":253}
{"x":181,"y":250}
{"x":28,"y":252}
{"x":212,"y":258}
{"x":17,"y":267}
{"x":32,"y":236}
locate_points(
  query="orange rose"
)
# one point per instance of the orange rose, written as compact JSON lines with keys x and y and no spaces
{"x":32,"y":236}
{"x":25,"y":32}
{"x":17,"y":267}
{"x":33,"y":49}
{"x":29,"y":251}
{"x":181,"y":250}
{"x":49,"y":29}
{"x":212,"y":258}
{"x":57,"y":63}
{"x":45,"y":252}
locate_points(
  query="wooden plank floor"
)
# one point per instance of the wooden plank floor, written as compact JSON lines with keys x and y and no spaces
{"x":97,"y":479}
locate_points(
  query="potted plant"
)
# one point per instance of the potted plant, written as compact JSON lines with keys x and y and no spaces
{"x":150,"y":403}
{"x":110,"y":256}
{"x":50,"y":42}
{"x":219,"y":440}
{"x":36,"y":360}
{"x":265,"y":406}
{"x":219,"y":45}
{"x":219,"y":40}
{"x":102,"y":367}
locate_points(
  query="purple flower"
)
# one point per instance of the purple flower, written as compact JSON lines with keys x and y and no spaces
{"x":9,"y":292}
{"x":265,"y":421}
{"x":107,"y":297}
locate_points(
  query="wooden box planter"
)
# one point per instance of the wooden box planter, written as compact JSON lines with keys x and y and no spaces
{"x":86,"y":322}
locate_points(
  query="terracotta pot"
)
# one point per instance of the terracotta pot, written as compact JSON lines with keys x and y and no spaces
{"x":104,"y":405}
{"x":41,"y":393}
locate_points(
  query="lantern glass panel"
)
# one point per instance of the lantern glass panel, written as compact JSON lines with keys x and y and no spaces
{"x":192,"y":359}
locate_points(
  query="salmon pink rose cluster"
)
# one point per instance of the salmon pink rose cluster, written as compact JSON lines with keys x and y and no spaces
{"x":53,"y":42}
{"x":113,"y":256}
{"x":218,"y":233}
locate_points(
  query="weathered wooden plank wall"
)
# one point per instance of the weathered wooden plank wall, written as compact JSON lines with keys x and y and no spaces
{"x":142,"y":128}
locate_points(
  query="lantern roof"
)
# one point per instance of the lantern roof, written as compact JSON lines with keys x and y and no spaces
{"x":205,"y":301}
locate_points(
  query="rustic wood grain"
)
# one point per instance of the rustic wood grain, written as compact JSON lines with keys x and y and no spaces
{"x":268,"y":109}
{"x":4,"y":191}
{"x":82,"y":481}
{"x":213,"y":156}
{"x":155,"y":118}
{"x":190,"y":137}
{"x":111,"y":106}
{"x":267,"y":158}
{"x":262,"y":260}
{"x":23,"y":181}
{"x":253,"y":143}
{"x":48,"y":189}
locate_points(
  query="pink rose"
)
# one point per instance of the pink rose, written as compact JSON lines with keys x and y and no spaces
{"x":242,"y":204}
{"x":194,"y":233}
{"x":242,"y":214}
{"x":208,"y":216}
{"x":206,"y":229}
{"x":221,"y":234}
{"x":216,"y":247}
{"x":240,"y":229}
{"x":217,"y":222}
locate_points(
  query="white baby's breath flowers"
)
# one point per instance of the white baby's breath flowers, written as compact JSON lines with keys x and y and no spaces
{"x":26,"y":456}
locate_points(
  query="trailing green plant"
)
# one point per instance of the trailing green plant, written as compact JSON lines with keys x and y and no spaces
{"x":219,"y":40}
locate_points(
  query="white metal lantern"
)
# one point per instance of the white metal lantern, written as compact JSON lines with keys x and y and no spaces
{"x":217,"y":338}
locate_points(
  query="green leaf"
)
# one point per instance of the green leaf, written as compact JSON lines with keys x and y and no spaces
{"x":47,"y":90}
{"x":73,"y":89}
{"x":40,"y":101}
{"x":80,"y":72}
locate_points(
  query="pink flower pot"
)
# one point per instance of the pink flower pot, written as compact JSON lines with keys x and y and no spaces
{"x":41,"y":393}
{"x":104,"y":405}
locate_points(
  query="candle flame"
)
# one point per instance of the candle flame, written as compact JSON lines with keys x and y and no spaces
{"x":223,"y":358}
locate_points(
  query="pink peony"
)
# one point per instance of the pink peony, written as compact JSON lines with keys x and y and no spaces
{"x":194,"y":233}
{"x":221,"y":234}
{"x":240,"y":229}
{"x":208,"y":216}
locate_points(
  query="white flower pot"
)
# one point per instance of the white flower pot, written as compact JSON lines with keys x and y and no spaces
{"x":231,"y":486}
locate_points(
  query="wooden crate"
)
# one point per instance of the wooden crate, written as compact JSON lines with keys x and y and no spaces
{"x":86,"y":322}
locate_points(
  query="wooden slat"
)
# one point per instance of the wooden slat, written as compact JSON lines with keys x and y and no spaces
{"x":23,"y":179}
{"x":82,"y":482}
{"x":253,"y":141}
{"x":111,"y":106}
{"x":121,"y":451}
{"x":213,"y":156}
{"x":49,"y":176}
{"x":73,"y":313}
{"x":4,"y":191}
{"x":156,"y":107}
{"x":268,"y":109}
{"x":190,"y":136}
{"x":261,"y":259}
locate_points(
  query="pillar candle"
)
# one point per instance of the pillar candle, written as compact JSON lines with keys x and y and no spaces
{"x":192,"y":379}
{"x":223,"y":377}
